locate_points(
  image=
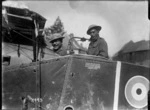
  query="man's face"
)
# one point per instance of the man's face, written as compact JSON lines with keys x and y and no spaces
{"x":57,"y":44}
{"x":93,"y":34}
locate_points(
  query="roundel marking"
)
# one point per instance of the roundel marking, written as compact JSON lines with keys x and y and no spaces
{"x":68,"y":107}
{"x":136,"y":90}
{"x":139,"y":91}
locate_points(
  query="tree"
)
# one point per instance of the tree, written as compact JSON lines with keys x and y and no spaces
{"x":57,"y":27}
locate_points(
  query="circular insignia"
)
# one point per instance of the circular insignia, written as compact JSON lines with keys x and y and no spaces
{"x":136,"y":91}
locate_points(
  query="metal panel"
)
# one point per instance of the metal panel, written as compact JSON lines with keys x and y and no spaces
{"x":134,"y":86}
{"x":82,"y":82}
{"x":89,"y":84}
{"x":52,"y":79}
{"x":18,"y":82}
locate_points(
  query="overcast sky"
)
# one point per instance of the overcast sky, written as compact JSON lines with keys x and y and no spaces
{"x":121,"y":21}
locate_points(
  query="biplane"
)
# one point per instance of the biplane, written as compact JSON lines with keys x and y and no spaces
{"x":71,"y":82}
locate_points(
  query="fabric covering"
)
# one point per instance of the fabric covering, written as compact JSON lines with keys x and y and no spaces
{"x":21,"y":24}
{"x":84,"y":82}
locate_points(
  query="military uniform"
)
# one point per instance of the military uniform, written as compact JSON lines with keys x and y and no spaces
{"x":62,"y":51}
{"x":98,"y":48}
{"x":98,"y":45}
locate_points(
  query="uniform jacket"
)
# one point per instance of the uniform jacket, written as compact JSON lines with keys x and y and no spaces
{"x":98,"y":48}
{"x":62,"y":51}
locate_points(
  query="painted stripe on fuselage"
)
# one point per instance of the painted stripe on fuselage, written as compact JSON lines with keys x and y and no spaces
{"x":117,"y":83}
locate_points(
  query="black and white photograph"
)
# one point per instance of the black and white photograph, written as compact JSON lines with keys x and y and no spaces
{"x":75,"y":55}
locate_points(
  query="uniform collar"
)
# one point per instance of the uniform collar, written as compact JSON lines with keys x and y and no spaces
{"x":94,"y":44}
{"x":59,"y":49}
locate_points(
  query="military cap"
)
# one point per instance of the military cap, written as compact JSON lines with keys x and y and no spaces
{"x":55,"y":36}
{"x":93,"y":27}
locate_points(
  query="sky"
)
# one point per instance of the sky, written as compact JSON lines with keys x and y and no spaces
{"x":121,"y":21}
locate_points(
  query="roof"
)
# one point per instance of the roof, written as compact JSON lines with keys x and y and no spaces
{"x":135,"y":46}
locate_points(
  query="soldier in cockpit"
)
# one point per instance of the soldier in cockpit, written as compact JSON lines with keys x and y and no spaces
{"x":57,"y":43}
{"x":98,"y":45}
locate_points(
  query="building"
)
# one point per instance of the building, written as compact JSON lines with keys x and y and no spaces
{"x":135,"y":52}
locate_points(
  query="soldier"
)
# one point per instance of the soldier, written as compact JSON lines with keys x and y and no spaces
{"x":98,"y":45}
{"x":56,"y":42}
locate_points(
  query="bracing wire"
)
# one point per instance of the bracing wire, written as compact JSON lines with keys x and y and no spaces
{"x":31,"y":40}
{"x":23,"y":36}
{"x":31,"y":49}
{"x":10,"y":52}
{"x":16,"y":50}
{"x":26,"y":54}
